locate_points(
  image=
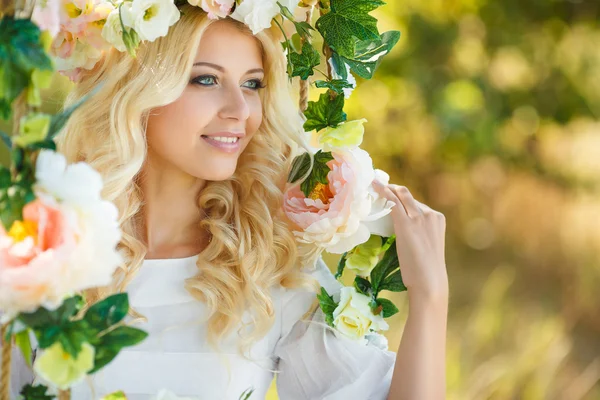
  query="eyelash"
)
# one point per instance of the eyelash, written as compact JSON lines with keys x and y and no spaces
{"x":196,"y":81}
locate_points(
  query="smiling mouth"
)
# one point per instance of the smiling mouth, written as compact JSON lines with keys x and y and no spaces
{"x":222,"y":139}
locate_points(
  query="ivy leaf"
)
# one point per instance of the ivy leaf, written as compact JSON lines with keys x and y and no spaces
{"x":37,"y":392}
{"x":328,"y":305}
{"x":393,"y":283}
{"x":318,"y":174}
{"x":341,"y":266}
{"x":303,"y":64}
{"x":368,"y":54}
{"x":109,"y":345}
{"x":387,"y":307}
{"x":324,"y":112}
{"x":346,"y":20}
{"x":246,"y":394}
{"x":108,"y":312}
{"x":362,"y":285}
{"x":23,"y":342}
{"x":384,"y":267}
{"x":337,"y":85}
{"x":302,"y":28}
{"x":300,"y":167}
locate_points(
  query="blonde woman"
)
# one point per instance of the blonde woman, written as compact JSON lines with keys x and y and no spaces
{"x":193,"y":139}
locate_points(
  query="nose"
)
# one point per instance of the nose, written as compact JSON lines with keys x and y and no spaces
{"x":234,"y":105}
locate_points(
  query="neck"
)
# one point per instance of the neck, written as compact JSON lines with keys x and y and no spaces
{"x":170,"y":215}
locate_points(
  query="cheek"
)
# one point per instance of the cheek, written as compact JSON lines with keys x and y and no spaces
{"x":256,"y":116}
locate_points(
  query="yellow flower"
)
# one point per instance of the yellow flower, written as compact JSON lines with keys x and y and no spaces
{"x":57,"y":366}
{"x":353,"y":317}
{"x":115,"y":396}
{"x":345,"y":136}
{"x":33,"y":128}
{"x":365,"y":256}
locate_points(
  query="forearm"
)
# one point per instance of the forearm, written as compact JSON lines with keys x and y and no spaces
{"x":420,"y":370}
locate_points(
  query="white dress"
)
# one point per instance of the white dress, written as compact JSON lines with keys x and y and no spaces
{"x":309,"y":361}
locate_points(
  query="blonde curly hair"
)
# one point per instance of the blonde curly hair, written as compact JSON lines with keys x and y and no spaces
{"x":252,"y":247}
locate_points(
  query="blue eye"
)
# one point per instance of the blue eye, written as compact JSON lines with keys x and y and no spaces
{"x":255,"y":84}
{"x":205,"y":80}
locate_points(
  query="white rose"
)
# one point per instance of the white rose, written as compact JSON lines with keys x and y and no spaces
{"x":152,"y":19}
{"x":112,"y":31}
{"x":353,"y":317}
{"x":257,"y":14}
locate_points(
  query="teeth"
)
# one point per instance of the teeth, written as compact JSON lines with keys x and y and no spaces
{"x":225,"y":139}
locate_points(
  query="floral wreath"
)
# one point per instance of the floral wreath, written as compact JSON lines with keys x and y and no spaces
{"x":50,"y":211}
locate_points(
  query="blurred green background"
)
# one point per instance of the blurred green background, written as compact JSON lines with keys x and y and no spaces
{"x":489,"y":111}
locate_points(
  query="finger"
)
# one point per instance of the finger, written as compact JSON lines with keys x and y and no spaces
{"x":385,"y":191}
{"x":409,"y":202}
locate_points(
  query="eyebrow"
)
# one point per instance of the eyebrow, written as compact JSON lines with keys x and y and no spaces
{"x":219,"y":68}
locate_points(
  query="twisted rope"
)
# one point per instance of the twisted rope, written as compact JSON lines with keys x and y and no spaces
{"x":5,"y":367}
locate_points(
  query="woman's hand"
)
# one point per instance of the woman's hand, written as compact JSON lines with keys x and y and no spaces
{"x":420,"y":240}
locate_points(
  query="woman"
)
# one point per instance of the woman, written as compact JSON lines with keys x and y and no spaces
{"x":193,"y":139}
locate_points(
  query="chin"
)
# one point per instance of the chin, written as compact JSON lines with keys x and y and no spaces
{"x":217,"y":172}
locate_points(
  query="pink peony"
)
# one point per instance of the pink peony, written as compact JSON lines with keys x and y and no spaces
{"x":33,"y":258}
{"x":342,"y":214}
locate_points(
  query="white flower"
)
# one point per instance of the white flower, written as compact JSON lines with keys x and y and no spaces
{"x":76,"y":188}
{"x":257,"y":14}
{"x":383,"y":225}
{"x":152,"y":19}
{"x":112,"y":31}
{"x":353,"y":317}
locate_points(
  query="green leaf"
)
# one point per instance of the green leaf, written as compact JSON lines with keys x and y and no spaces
{"x":337,"y":85}
{"x":388,"y":308}
{"x":37,"y":392}
{"x":302,"y":28}
{"x":347,"y":20}
{"x":110,"y":344}
{"x":23,"y":342}
{"x":318,"y":174}
{"x":108,"y":312}
{"x":327,"y":111}
{"x":69,"y":308}
{"x":384,"y":267}
{"x":393,"y":283}
{"x":362,"y":285}
{"x":6,"y":139}
{"x":21,"y":52}
{"x":5,"y":178}
{"x":341,"y":266}
{"x":246,"y":394}
{"x":328,"y":306}
{"x":368,"y":54}
{"x":303,"y":64}
{"x":300,"y":167}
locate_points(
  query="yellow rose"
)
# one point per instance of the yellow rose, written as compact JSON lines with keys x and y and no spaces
{"x":353,"y":316}
{"x":57,"y":366}
{"x":365,"y":256}
{"x":345,"y":136}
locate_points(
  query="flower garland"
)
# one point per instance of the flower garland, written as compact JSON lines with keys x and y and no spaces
{"x":43,"y":207}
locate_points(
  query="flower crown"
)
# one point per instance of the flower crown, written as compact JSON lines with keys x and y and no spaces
{"x":83,"y":29}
